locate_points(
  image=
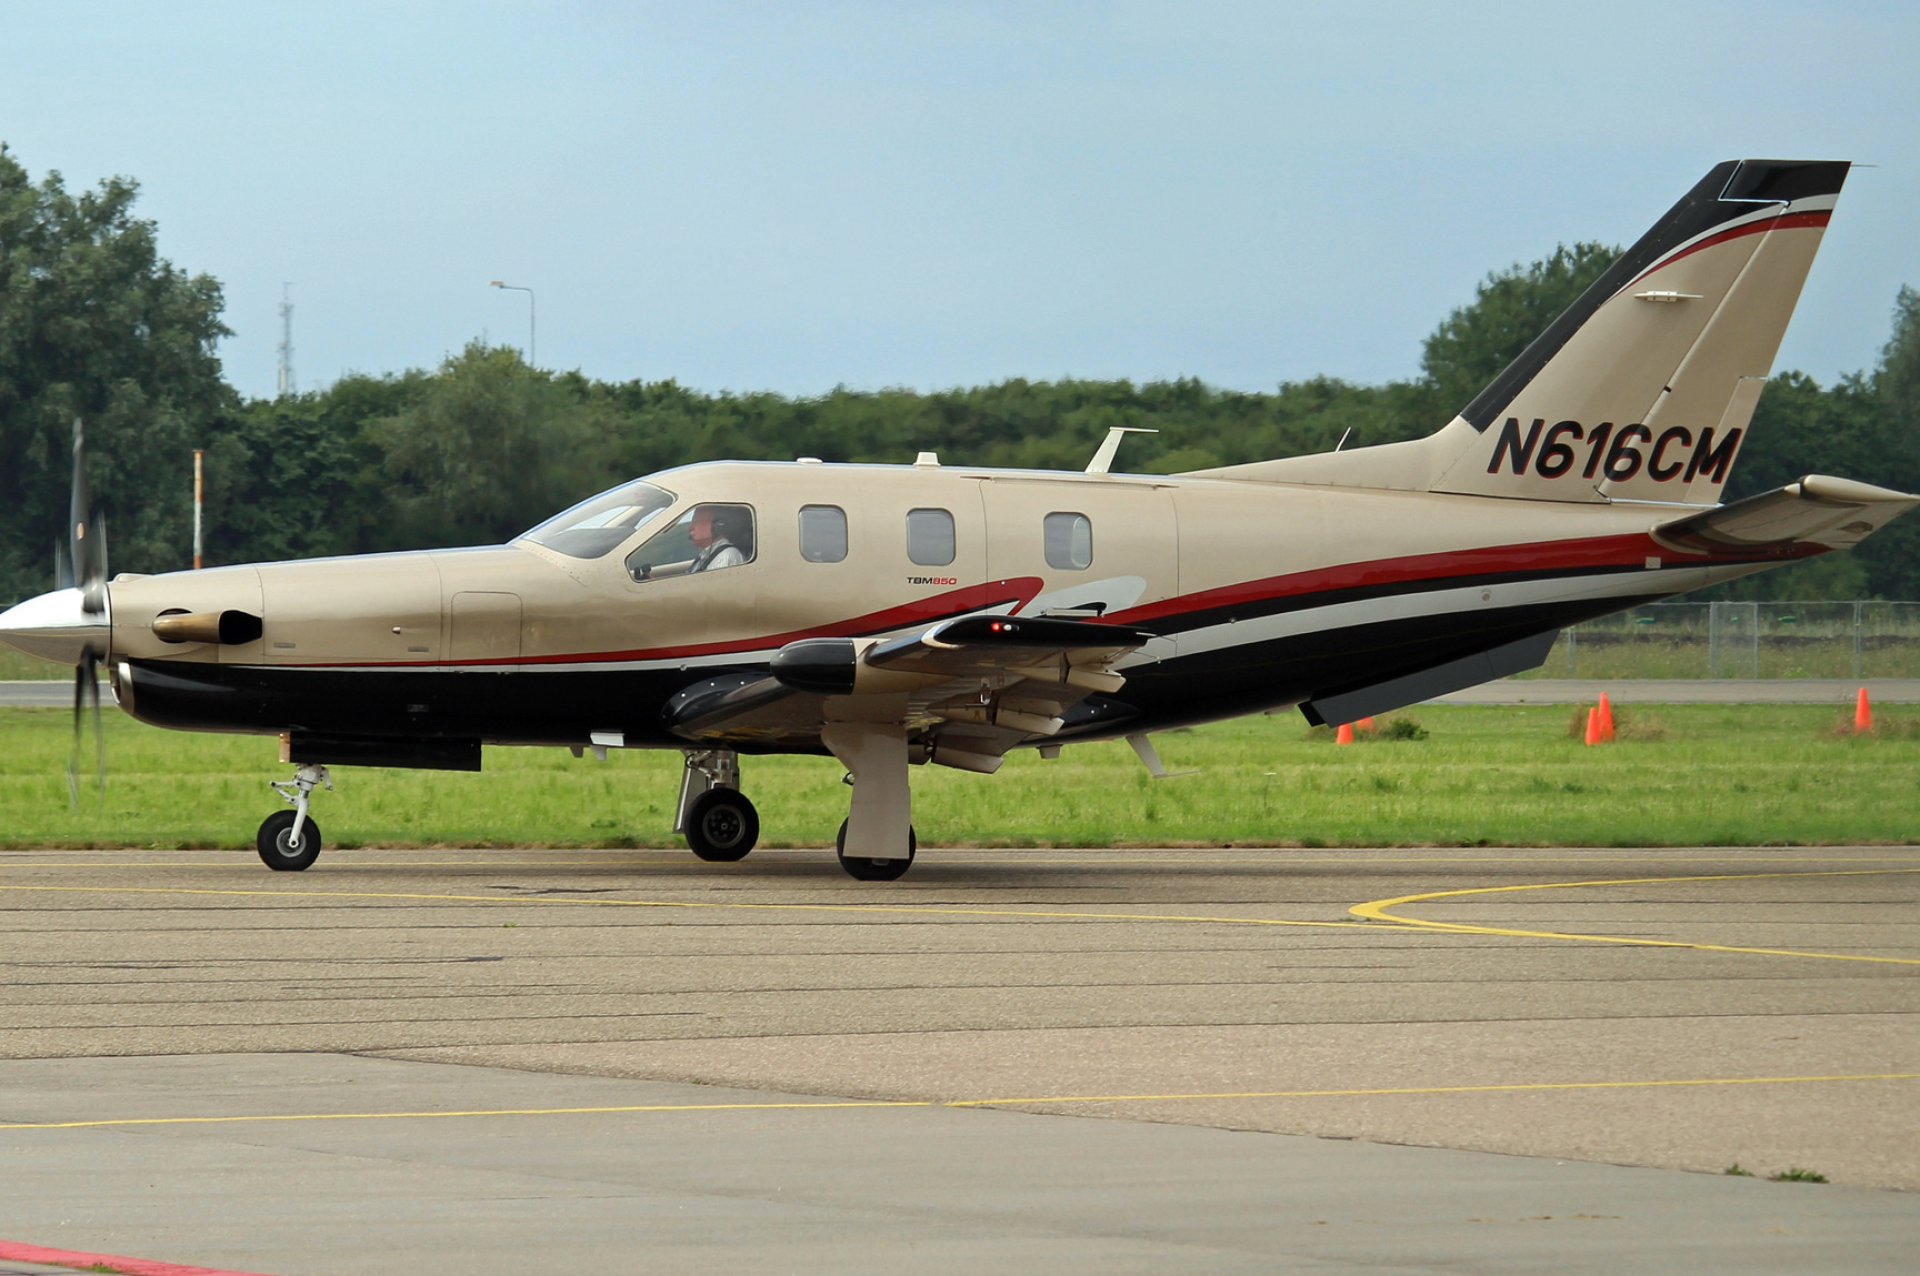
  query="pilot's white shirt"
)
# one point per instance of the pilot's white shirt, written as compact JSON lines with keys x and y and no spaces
{"x":718,"y":555}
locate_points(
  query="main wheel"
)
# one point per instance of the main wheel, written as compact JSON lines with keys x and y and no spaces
{"x":722,"y":826}
{"x":863,"y":868}
{"x":278,"y":850}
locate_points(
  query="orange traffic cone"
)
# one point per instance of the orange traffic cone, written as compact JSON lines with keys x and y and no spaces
{"x":1862,"y":712}
{"x":1593,"y":726}
{"x":1605,"y":714}
{"x":1344,"y":735}
{"x":1366,"y":724}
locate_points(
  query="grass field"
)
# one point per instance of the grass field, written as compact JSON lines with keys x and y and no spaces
{"x":16,"y":666}
{"x":1704,"y":775}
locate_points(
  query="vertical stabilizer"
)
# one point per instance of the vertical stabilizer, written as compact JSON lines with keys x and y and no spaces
{"x":1644,"y":387}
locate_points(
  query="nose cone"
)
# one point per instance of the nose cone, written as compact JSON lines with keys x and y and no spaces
{"x":56,"y":627}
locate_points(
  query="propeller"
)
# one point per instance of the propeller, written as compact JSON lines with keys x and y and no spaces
{"x":86,"y":563}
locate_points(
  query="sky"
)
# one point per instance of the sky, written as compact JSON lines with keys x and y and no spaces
{"x":790,"y":197}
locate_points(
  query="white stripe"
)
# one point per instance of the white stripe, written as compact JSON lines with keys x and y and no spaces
{"x":1482,"y":599}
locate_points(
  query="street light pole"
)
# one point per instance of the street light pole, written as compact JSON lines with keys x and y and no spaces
{"x":533,"y":350}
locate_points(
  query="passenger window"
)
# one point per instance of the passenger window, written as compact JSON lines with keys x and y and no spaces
{"x":1069,"y":541}
{"x":823,"y":533}
{"x":930,"y":537}
{"x":707,"y":538}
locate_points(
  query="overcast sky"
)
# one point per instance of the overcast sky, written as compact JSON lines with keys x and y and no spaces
{"x":792,"y":196}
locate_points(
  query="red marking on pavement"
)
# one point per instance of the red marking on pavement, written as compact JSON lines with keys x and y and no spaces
{"x":24,"y":1253}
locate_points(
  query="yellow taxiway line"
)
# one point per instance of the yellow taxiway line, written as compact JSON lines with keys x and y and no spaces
{"x":1376,"y":910}
{"x":864,"y":909}
{"x":1029,"y":1100}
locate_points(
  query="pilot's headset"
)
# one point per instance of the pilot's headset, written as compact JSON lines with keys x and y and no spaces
{"x":735,"y":526}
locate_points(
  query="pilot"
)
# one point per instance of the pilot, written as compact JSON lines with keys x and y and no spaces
{"x":722,"y":535}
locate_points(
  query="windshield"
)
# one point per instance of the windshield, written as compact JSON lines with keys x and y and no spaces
{"x":596,"y":526}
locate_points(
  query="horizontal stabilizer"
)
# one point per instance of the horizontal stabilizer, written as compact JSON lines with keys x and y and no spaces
{"x":1829,"y":512}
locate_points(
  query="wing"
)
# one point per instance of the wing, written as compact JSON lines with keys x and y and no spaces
{"x":967,"y":690}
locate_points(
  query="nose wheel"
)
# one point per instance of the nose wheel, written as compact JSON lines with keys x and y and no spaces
{"x":281,"y":849}
{"x":289,"y":841}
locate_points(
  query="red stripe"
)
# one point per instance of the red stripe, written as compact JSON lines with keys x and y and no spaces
{"x":23,"y":1253}
{"x":1601,"y":551}
{"x":1786,"y":221}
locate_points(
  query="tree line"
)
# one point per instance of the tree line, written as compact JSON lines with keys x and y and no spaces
{"x":95,"y":323}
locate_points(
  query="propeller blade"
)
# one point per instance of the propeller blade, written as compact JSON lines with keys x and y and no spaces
{"x":93,"y":581}
{"x":63,"y":577}
{"x":91,"y":667}
{"x":88,"y":532}
{"x":86,"y":684}
{"x":77,"y":502}
{"x":73,"y":754}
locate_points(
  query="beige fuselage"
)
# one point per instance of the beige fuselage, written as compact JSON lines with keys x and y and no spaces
{"x":1260,"y":594}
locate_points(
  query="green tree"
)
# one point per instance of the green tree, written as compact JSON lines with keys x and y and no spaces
{"x":489,"y":448}
{"x":94,"y":323}
{"x":1511,"y":307}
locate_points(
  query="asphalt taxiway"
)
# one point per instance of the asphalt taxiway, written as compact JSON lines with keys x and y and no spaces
{"x":628,"y":1059}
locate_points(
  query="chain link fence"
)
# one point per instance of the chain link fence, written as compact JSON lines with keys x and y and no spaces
{"x":1743,"y":640}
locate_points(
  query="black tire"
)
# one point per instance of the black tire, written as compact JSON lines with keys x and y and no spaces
{"x":862,"y":868}
{"x":275,"y":851}
{"x":722,"y":826}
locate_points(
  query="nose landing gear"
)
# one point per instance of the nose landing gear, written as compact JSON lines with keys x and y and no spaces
{"x":288,"y":841}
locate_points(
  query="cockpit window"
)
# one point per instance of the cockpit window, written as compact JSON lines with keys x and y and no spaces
{"x":707,"y":538}
{"x":596,"y":527}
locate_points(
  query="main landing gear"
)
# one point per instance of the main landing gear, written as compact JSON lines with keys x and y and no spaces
{"x":719,"y":822}
{"x":288,"y":841}
{"x":865,"y":868}
{"x":876,"y":841}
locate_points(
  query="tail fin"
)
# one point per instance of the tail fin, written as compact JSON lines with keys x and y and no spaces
{"x":1643,"y":389}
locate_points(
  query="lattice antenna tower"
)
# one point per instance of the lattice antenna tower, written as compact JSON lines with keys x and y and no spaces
{"x":286,"y":340}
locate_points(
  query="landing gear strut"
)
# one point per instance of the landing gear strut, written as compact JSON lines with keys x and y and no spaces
{"x":719,"y":822}
{"x":876,"y":844}
{"x":288,"y":841}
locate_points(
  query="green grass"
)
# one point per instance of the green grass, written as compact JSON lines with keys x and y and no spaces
{"x":1660,"y":653}
{"x":1492,"y":775}
{"x":1798,"y":1175}
{"x":16,"y":666}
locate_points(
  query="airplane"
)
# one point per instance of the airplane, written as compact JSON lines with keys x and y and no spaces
{"x":897,"y":615}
